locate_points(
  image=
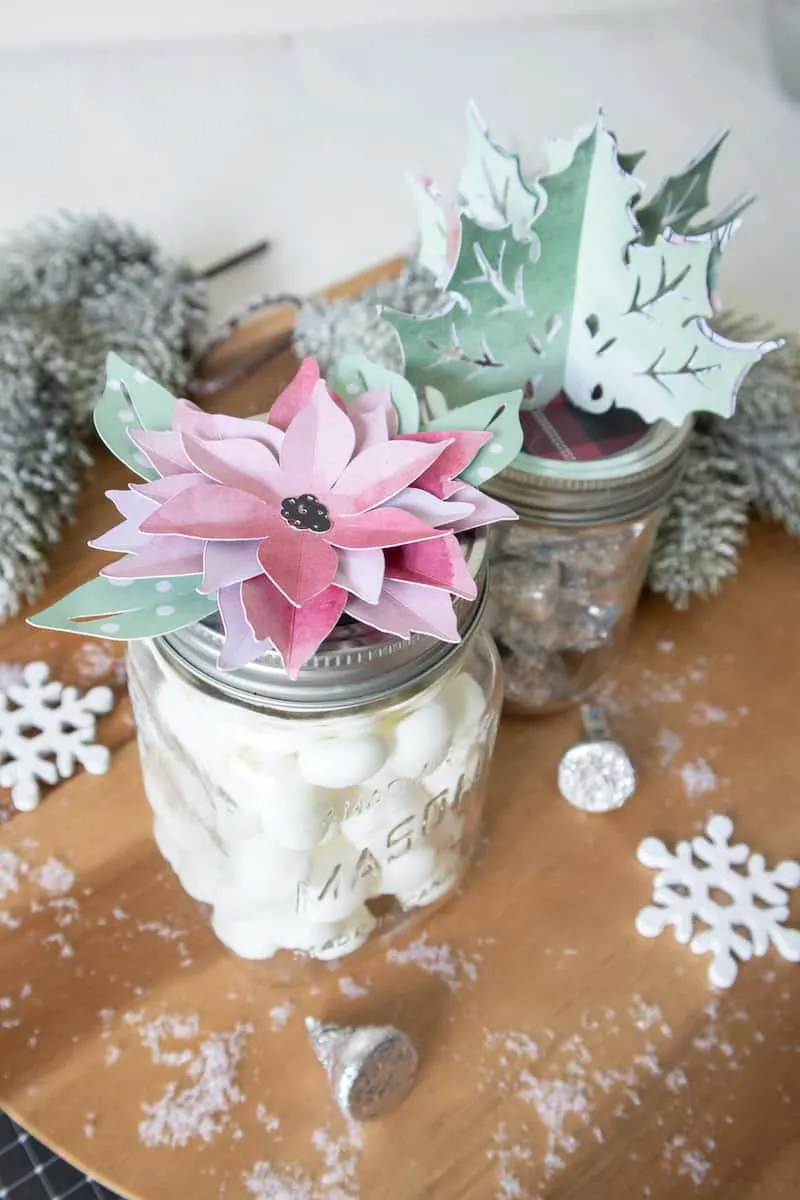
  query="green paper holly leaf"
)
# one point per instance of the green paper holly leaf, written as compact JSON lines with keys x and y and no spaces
{"x":129,"y":609}
{"x":500,"y":416}
{"x":682,"y":197}
{"x":581,"y":307}
{"x":131,"y":400}
{"x":354,"y":374}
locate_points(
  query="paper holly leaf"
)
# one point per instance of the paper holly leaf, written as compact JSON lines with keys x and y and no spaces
{"x":126,"y":610}
{"x":355,"y":374}
{"x":682,"y":197}
{"x":131,"y":401}
{"x":581,"y":307}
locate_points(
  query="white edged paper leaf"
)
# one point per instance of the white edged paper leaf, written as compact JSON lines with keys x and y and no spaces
{"x":123,"y":612}
{"x":500,"y":416}
{"x":129,"y":401}
{"x":492,"y":188}
{"x":354,"y":374}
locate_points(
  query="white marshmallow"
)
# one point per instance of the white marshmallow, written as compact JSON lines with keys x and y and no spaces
{"x":249,"y":937}
{"x":442,"y":880}
{"x":292,"y":811}
{"x":349,"y":936}
{"x":235,"y":822}
{"x":392,"y":822}
{"x":276,"y":925}
{"x":421,"y":740}
{"x":340,"y":879}
{"x":410,"y":872}
{"x":343,"y":762}
{"x":266,"y":871}
{"x":466,"y":703}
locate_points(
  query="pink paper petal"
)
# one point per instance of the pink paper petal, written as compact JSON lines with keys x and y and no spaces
{"x":299,"y":563}
{"x":379,"y":473}
{"x":361,"y":572}
{"x":485,"y":509}
{"x":430,"y":508}
{"x":163,"y":556}
{"x":379,"y":528}
{"x":440,"y":479}
{"x":124,"y":538}
{"x":374,"y":417}
{"x":225,"y":563}
{"x":219,"y":513}
{"x":132,"y":505}
{"x":317,"y":446}
{"x":164,"y":450}
{"x":161,"y":490}
{"x":238,"y":463}
{"x":291,"y":400}
{"x":296,"y":632}
{"x":437,"y":564}
{"x":213,"y":427}
{"x":241,"y":646}
{"x":406,"y":608}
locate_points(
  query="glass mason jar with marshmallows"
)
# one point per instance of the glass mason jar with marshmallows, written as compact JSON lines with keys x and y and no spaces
{"x":565,"y":579}
{"x":312,"y":813}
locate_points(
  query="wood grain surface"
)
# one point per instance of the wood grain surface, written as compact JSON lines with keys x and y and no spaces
{"x":562,"y":1055}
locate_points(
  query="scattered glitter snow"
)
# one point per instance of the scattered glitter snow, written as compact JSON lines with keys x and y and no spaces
{"x":452,"y":966}
{"x":90,"y":1125}
{"x":646,"y":1016}
{"x":348,"y":987}
{"x":265,"y":1182}
{"x":54,"y":876}
{"x":675,"y":1080}
{"x":339,"y":1180}
{"x":665,"y":646}
{"x":270,"y":1122}
{"x":200,"y":1109}
{"x":11,"y":867}
{"x":94,"y":663}
{"x":169,"y":1026}
{"x":65,"y":948}
{"x":112,"y":1055}
{"x":279,"y":1014}
{"x":708,"y":714}
{"x":698,"y":778}
{"x":668,"y":745}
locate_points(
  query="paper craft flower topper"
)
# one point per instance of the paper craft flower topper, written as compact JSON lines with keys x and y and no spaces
{"x":284,"y":523}
{"x":569,"y":283}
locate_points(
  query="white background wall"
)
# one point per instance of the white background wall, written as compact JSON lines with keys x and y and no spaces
{"x":305,"y":137}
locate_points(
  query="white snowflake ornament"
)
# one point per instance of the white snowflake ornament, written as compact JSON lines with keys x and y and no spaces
{"x":46,"y":729}
{"x":684,"y":890}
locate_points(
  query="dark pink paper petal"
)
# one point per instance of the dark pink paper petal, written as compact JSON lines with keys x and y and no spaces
{"x":162,"y":556}
{"x":439,"y":563}
{"x":296,"y":632}
{"x":218,"y":513}
{"x":225,"y":563}
{"x":300,"y":563}
{"x":291,"y":400}
{"x":164,"y":450}
{"x":238,"y":463}
{"x":406,"y":608}
{"x":430,"y":509}
{"x":361,"y":572}
{"x":485,"y":509}
{"x":317,"y":446}
{"x":379,"y":528}
{"x":213,"y":427}
{"x":241,"y":646}
{"x":441,"y":478}
{"x":379,"y":473}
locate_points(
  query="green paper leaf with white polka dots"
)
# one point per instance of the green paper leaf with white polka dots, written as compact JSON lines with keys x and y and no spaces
{"x":131,"y":401}
{"x":500,"y":416}
{"x":354,"y":374}
{"x":124,"y":611}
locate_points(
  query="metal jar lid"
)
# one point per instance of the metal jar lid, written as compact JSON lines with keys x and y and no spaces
{"x":597,"y":491}
{"x":356,"y":665}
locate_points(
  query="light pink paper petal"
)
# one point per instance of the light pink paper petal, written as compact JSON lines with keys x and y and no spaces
{"x":485,"y":509}
{"x":213,"y":427}
{"x":300,"y":563}
{"x":317,"y":445}
{"x":379,"y":473}
{"x":430,"y":509}
{"x":374,"y":417}
{"x":161,"y":490}
{"x":297,"y":633}
{"x":164,"y":450}
{"x":225,"y":563}
{"x":124,"y":538}
{"x":291,"y":400}
{"x":441,"y":478}
{"x":218,"y":513}
{"x":241,"y":646}
{"x":132,"y":505}
{"x":361,"y":572}
{"x":379,"y":528}
{"x":406,"y":608}
{"x":437,"y":564}
{"x":162,"y":556}
{"x":238,"y":463}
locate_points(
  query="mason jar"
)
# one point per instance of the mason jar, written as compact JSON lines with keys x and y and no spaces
{"x":310,"y":814}
{"x":565,"y":578}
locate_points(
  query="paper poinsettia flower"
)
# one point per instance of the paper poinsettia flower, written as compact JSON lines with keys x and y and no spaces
{"x":286,"y":523}
{"x":570,"y":284}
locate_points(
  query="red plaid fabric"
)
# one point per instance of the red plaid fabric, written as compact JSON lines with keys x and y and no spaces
{"x":562,"y":430}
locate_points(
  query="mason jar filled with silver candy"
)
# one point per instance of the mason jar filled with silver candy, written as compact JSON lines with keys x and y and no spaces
{"x":565,"y":579}
{"x":310,"y":814}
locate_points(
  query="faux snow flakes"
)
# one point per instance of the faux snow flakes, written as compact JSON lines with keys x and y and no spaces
{"x":46,"y":729}
{"x":685,"y":890}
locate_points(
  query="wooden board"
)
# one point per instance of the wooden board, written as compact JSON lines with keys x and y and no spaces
{"x":562,"y":1055}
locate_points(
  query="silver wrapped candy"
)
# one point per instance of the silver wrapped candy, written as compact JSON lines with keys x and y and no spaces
{"x":371,"y":1068}
{"x":597,"y":774}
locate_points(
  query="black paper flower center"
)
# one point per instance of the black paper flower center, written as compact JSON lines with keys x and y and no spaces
{"x":305,"y":512}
